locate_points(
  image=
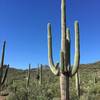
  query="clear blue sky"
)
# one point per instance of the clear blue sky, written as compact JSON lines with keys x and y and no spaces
{"x":23,"y":24}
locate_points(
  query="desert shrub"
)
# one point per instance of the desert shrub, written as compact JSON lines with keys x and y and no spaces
{"x":84,"y":97}
{"x":94,"y":89}
{"x":50,"y":89}
{"x":12,"y":96}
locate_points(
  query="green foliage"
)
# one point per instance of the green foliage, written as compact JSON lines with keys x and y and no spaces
{"x":50,"y":88}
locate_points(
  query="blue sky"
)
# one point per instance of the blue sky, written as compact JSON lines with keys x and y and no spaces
{"x":23,"y":24}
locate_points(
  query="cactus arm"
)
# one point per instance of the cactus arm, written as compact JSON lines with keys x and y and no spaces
{"x":53,"y":68}
{"x":68,"y":44}
{"x":5,"y":75}
{"x":77,"y":49}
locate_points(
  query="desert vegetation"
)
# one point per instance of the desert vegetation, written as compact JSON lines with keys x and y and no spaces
{"x":15,"y":84}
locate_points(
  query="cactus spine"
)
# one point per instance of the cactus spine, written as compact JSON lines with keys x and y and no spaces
{"x":66,"y":70}
{"x":3,"y":74}
{"x":28,"y":76}
{"x":77,"y":84}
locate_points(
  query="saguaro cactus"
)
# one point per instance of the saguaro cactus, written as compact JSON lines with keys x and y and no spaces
{"x":3,"y":74}
{"x":39,"y":74}
{"x":77,"y":78}
{"x":28,"y":76}
{"x":66,"y":70}
{"x":94,"y":79}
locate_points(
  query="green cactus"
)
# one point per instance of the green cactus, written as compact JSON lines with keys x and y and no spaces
{"x":3,"y":74}
{"x":77,"y":79}
{"x":94,"y":79}
{"x":39,"y":74}
{"x":65,"y":70}
{"x":28,"y":76}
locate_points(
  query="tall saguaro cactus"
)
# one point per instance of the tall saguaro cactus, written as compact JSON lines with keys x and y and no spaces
{"x":3,"y":74}
{"x":66,"y":70}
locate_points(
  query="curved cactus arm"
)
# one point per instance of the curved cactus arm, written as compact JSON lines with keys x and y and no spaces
{"x":53,"y":68}
{"x":5,"y":74}
{"x":68,"y":44}
{"x":77,"y":49}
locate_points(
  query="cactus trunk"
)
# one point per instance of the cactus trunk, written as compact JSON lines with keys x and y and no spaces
{"x":64,"y":86}
{"x":64,"y":78}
